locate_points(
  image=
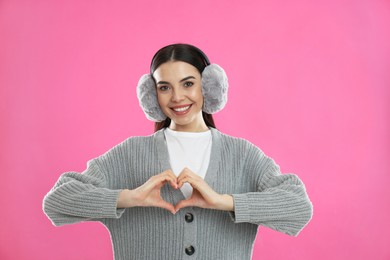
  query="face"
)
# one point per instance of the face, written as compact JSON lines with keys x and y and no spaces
{"x":179,"y":93}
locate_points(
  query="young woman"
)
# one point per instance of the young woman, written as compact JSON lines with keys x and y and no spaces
{"x":188,"y":191}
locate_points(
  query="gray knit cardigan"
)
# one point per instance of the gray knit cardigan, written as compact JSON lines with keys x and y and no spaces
{"x":262,"y":196}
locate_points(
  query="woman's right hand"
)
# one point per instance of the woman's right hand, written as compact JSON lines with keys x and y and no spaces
{"x":149,"y":194}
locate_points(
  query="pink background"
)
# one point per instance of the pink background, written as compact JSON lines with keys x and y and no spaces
{"x":309,"y":84}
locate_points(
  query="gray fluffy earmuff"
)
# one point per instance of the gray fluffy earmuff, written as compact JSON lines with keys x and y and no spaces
{"x":214,"y":90}
{"x":147,"y":96}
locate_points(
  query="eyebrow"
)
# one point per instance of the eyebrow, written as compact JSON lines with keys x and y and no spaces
{"x":186,"y":78}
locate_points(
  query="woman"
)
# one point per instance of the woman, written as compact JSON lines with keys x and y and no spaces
{"x":188,"y":191}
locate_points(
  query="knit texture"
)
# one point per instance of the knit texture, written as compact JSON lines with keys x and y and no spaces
{"x":262,"y":196}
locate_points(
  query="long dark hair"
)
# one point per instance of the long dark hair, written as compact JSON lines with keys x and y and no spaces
{"x":186,"y":53}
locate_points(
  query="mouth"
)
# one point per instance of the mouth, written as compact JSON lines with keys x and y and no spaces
{"x":181,"y":110}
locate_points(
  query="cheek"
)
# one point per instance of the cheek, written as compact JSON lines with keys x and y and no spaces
{"x":196,"y":94}
{"x":201,"y":98}
{"x":161,"y":100}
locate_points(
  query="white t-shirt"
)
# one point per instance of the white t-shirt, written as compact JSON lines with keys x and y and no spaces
{"x":191,"y":150}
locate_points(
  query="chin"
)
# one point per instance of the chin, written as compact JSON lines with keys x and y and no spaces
{"x":182,"y":122}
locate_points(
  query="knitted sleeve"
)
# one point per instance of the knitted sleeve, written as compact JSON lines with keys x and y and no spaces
{"x":81,"y":197}
{"x":280,"y":203}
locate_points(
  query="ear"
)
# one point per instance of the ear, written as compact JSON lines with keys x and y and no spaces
{"x":147,"y":97}
{"x":214,"y":88}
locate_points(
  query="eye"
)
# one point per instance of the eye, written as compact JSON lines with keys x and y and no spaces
{"x":188,"y":84}
{"x":163,"y":88}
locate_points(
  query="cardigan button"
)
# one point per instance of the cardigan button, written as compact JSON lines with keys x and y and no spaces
{"x":190,"y":250}
{"x":189,"y":217}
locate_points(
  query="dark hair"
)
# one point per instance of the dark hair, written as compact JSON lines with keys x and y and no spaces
{"x":186,"y":53}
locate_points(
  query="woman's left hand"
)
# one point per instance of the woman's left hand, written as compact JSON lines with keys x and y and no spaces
{"x":203,"y":196}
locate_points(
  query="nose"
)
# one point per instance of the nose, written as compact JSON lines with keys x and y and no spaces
{"x":177,"y":95}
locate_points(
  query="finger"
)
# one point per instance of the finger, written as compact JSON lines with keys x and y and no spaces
{"x":184,"y":204}
{"x":188,"y":171}
{"x":168,"y":206}
{"x":155,"y":182}
{"x":185,"y":172}
{"x":170,"y":173}
{"x":194,"y":181}
{"x":172,"y":178}
{"x":172,"y":181}
{"x":184,"y":176}
{"x":183,"y":180}
{"x":165,"y":177}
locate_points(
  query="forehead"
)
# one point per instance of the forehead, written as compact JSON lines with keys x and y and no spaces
{"x":175,"y":71}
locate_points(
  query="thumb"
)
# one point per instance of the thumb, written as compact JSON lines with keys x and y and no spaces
{"x":184,"y":204}
{"x":168,"y":206}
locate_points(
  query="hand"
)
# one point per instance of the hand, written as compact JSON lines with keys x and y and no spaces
{"x":149,"y":194}
{"x":203,"y":196}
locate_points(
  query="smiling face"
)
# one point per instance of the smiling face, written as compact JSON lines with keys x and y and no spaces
{"x":179,"y":93}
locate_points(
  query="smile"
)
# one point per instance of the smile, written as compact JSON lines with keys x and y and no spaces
{"x":181,"y":109}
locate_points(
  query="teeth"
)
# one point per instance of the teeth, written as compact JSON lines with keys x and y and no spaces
{"x":181,"y":109}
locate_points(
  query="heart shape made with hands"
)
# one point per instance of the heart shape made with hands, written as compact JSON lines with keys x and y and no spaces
{"x":203,"y":196}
